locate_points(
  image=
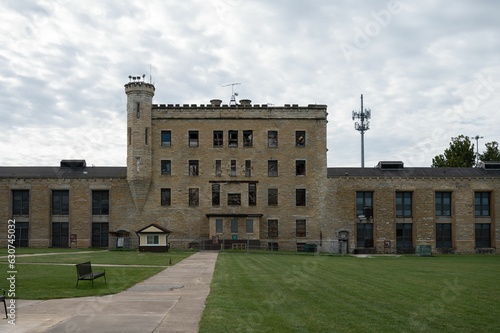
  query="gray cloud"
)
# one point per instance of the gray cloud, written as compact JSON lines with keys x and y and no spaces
{"x":428,"y":70}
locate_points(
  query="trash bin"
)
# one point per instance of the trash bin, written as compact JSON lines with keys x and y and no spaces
{"x":310,"y":247}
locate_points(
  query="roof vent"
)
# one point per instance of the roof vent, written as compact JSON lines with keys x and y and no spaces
{"x":490,"y":165}
{"x":390,"y":165}
{"x":73,"y":164}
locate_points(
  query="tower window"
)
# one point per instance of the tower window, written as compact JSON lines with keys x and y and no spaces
{"x":138,"y":110}
{"x":300,"y":197}
{"x":300,"y":138}
{"x":166,"y":167}
{"x":193,"y":139}
{"x":247,"y":138}
{"x":233,"y":138}
{"x":272,"y":138}
{"x":193,"y":167}
{"x":272,"y":168}
{"x":166,"y":138}
{"x":218,"y":139}
{"x":300,"y":168}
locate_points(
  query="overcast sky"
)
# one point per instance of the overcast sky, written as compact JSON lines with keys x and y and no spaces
{"x":428,"y":70}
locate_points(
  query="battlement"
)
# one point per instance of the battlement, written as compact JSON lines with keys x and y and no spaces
{"x":139,"y":86}
{"x":243,"y":110}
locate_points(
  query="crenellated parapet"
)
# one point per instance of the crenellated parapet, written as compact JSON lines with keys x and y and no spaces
{"x":243,"y":110}
{"x":139,"y":86}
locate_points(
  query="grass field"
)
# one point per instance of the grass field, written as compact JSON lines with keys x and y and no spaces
{"x":46,"y":275}
{"x":295,"y":293}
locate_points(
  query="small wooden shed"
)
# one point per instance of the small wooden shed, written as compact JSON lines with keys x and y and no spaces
{"x":153,"y":238}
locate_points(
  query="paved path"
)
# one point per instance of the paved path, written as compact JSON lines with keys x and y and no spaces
{"x":170,"y":301}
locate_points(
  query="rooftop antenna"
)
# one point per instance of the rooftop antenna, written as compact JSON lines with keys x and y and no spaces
{"x":364,"y":115}
{"x":477,"y":137}
{"x":233,"y":94}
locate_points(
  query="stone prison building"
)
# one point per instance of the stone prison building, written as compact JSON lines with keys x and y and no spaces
{"x":244,"y":175}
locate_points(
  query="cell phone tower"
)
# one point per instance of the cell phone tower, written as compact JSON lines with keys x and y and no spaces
{"x":364,"y":125}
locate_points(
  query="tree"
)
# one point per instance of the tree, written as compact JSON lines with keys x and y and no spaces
{"x":491,"y":154}
{"x":460,"y":154}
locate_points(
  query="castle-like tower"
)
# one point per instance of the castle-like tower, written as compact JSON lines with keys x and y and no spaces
{"x":139,"y":101}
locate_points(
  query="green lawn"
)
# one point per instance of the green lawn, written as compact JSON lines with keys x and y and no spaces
{"x":297,"y":293}
{"x":47,"y":276}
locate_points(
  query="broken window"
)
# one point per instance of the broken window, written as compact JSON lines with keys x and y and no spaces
{"x":252,"y":194}
{"x":234,"y":199}
{"x":272,"y":138}
{"x":193,"y":167}
{"x":247,"y":138}
{"x":218,"y":139}
{"x":272,"y":168}
{"x":300,"y":138}
{"x":194,"y":197}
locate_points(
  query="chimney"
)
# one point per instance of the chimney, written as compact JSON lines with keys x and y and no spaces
{"x":216,"y":102}
{"x":245,"y":102}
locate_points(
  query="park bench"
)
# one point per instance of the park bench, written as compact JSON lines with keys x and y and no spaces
{"x":2,"y":299}
{"x":84,"y":272}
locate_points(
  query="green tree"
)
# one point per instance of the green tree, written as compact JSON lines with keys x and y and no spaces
{"x":492,"y":153}
{"x":460,"y":154}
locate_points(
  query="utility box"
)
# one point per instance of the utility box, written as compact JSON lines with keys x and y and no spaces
{"x":423,"y":250}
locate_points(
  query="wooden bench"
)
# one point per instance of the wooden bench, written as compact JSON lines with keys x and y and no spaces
{"x":84,"y":272}
{"x":2,"y":299}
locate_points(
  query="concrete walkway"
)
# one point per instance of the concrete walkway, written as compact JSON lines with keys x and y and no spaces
{"x":170,"y":301}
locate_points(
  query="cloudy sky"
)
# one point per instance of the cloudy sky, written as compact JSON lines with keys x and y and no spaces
{"x":429,"y":70}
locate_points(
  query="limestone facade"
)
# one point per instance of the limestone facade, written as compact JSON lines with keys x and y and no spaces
{"x":219,"y":173}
